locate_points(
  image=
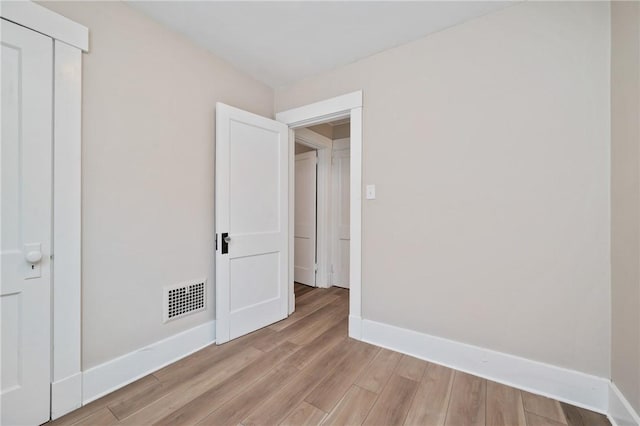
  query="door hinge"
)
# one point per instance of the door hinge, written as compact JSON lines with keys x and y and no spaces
{"x":315,"y":267}
{"x":216,"y":242}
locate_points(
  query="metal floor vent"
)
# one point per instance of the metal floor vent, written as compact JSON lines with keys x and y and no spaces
{"x":184,"y":299}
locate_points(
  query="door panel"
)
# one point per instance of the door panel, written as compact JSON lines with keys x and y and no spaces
{"x":252,"y":207}
{"x":341,"y":170}
{"x":305,"y":218}
{"x":27,"y":93}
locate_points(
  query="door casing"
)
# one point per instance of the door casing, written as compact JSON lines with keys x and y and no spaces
{"x":345,"y":106}
{"x":70,"y":39}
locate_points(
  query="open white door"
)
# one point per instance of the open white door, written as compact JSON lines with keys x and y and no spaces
{"x":341,"y":212}
{"x":304,"y":270}
{"x":252,"y":258}
{"x":25,"y":289}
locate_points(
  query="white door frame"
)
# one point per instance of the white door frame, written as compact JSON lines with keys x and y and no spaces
{"x":70,"y":39}
{"x":323,"y":244}
{"x":345,"y":106}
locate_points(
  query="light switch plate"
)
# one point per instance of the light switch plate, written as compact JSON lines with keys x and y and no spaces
{"x":371,"y":192}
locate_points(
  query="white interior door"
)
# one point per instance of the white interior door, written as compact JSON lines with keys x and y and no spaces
{"x":305,"y":218}
{"x":252,"y":260}
{"x":341,"y":171}
{"x":25,"y":290}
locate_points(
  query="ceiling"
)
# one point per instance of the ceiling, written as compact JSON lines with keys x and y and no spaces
{"x":280,"y":43}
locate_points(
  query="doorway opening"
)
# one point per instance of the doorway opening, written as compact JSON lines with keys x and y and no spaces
{"x":347,"y":106}
{"x":322,"y":206}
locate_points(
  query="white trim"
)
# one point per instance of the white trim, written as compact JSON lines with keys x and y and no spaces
{"x":116,"y":373}
{"x":355,"y":219}
{"x":349,"y":105}
{"x":620,"y":411}
{"x":40,"y":19}
{"x":355,"y":327}
{"x":573,"y":387}
{"x":69,"y":37}
{"x":66,"y":395}
{"x":312,"y":139}
{"x":67,"y":176}
{"x":323,"y":245}
{"x":321,"y":112}
{"x":292,"y":214}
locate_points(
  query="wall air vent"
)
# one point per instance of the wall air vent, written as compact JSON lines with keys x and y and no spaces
{"x":184,"y":299}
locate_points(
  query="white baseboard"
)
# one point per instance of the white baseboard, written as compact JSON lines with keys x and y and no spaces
{"x":355,"y":327}
{"x":565,"y":385}
{"x":66,"y":395}
{"x":105,"y":378}
{"x":621,"y":413}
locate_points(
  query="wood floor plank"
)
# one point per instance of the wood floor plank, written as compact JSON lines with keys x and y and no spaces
{"x":304,"y":415}
{"x":430,"y":403}
{"x":311,"y":321}
{"x":335,"y":384}
{"x":378,"y":372}
{"x":232,"y":412}
{"x":328,"y":321}
{"x":543,"y":406}
{"x":277,"y":375}
{"x":128,"y":406}
{"x":411,"y":368}
{"x":504,"y":406}
{"x":320,"y":345}
{"x":536,"y":420}
{"x":392,"y":405}
{"x":131,"y":391}
{"x":577,"y":416}
{"x":302,"y":312}
{"x":281,"y":403}
{"x":300,"y":289}
{"x":188,"y":390}
{"x":467,"y":403}
{"x":183,"y":371}
{"x":353,"y":408}
{"x":102,"y":417}
{"x":311,"y":296}
{"x":209,"y":401}
{"x":202,"y":360}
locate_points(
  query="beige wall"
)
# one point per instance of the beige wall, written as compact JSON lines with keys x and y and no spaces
{"x":625,"y":199}
{"x":489,"y":146}
{"x":301,"y":149}
{"x":342,"y":131}
{"x":332,"y":132}
{"x":148,"y":153}
{"x":324,"y":129}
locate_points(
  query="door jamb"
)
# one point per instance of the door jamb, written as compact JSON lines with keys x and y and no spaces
{"x":70,"y":39}
{"x":323,"y":145}
{"x":349,"y":105}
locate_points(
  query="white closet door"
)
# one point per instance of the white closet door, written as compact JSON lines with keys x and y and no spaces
{"x":252,"y":213}
{"x":341,"y":171}
{"x":27,"y":93}
{"x":305,"y":218}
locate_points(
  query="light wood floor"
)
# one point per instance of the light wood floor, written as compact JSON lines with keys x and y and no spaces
{"x":305,"y":370}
